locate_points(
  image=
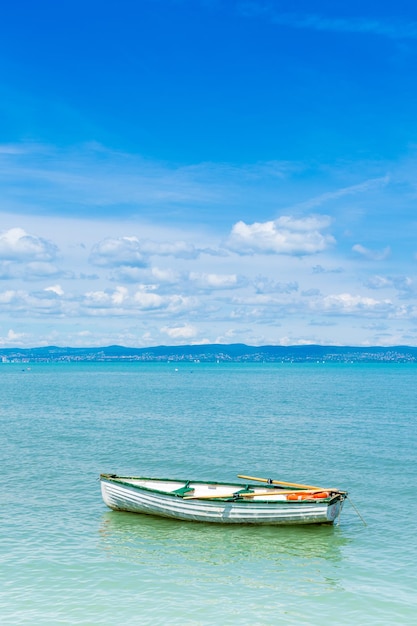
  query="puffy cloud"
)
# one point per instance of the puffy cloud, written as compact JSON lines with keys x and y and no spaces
{"x":126,"y":274}
{"x":115,"y":252}
{"x":134,"y":253}
{"x":108,"y":300}
{"x":346,"y":303}
{"x":57,"y":289}
{"x":26,"y":257}
{"x":180,"y":304}
{"x":34,"y":304}
{"x":120,"y":301}
{"x":146,"y":300}
{"x":12,"y":338}
{"x":17,"y":245}
{"x":286,"y":235}
{"x":119,"y":296}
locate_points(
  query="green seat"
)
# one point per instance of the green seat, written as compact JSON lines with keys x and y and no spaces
{"x":182,"y":491}
{"x":243,"y":491}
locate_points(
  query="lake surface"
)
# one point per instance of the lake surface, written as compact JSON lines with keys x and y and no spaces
{"x":67,"y":559}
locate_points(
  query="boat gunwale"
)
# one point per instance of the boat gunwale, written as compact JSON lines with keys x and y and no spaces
{"x":121,"y":480}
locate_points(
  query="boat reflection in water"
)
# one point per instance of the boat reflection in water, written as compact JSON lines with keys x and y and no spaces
{"x":152,"y":540}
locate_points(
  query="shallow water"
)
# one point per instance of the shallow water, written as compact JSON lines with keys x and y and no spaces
{"x":67,"y":559}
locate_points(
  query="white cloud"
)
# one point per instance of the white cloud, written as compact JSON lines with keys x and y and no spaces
{"x":113,"y":252}
{"x":57,"y":289}
{"x":12,"y":339}
{"x":216,"y":281}
{"x":131,"y":252}
{"x":379,"y":282}
{"x":372,"y":255}
{"x":9,"y":296}
{"x":128,"y":297}
{"x":120,"y":301}
{"x":97,"y":298}
{"x":180,"y":332}
{"x":148,"y":275}
{"x":119,"y":296}
{"x":166,"y":275}
{"x":285,"y":235}
{"x":35,"y":304}
{"x":17,"y":245}
{"x":147,"y":301}
{"x":346,"y":303}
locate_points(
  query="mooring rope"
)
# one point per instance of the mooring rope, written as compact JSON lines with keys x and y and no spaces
{"x":357,"y":512}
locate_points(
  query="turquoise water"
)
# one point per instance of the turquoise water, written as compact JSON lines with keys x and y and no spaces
{"x":67,"y":559}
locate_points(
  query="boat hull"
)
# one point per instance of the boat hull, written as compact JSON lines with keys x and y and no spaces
{"x":121,"y":495}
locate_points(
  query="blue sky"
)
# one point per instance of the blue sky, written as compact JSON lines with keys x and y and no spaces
{"x":201,"y":171}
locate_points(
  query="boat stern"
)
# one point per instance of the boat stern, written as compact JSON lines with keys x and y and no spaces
{"x":335,"y":508}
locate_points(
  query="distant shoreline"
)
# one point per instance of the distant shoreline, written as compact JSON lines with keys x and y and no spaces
{"x":212,"y":353}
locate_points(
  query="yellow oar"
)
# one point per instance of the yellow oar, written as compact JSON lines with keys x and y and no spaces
{"x":209,"y":496}
{"x":281,"y":482}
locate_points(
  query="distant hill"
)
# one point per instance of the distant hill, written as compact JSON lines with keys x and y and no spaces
{"x":214,"y":352}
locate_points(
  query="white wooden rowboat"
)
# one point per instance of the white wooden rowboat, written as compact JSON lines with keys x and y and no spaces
{"x":227,"y":503}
